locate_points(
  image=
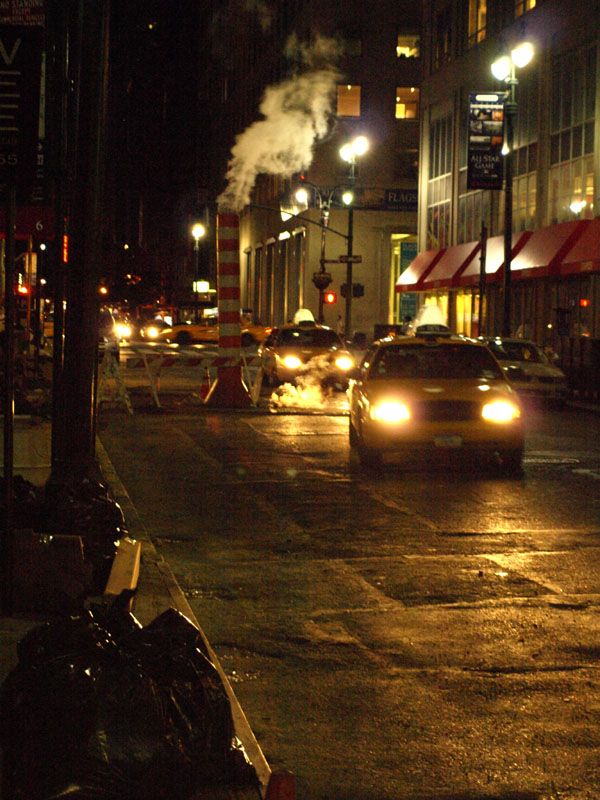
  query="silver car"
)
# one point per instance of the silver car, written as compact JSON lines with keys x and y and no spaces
{"x":530,"y":370}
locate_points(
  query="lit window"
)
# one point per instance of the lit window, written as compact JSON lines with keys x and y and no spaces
{"x":521,"y":6}
{"x":408,"y":46}
{"x":348,"y":101}
{"x":407,"y":103}
{"x":477,"y":21}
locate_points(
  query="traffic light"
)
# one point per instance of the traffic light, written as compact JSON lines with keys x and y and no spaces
{"x":329,"y":297}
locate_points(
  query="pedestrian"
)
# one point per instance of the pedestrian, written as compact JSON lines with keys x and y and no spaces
{"x":340,"y":325}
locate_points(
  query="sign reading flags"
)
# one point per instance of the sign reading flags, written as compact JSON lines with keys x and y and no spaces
{"x":485,"y":164}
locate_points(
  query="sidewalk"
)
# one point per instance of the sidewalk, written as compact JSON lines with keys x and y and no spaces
{"x":157,"y":591}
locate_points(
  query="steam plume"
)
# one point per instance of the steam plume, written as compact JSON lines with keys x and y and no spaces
{"x":296,"y":114}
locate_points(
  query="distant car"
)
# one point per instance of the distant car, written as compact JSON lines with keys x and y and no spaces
{"x":208,"y":332}
{"x":297,"y":349}
{"x":111,"y":330}
{"x":529,"y":369}
{"x":434,"y":395}
{"x":148,"y":330}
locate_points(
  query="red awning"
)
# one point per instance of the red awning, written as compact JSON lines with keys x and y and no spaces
{"x":451,"y":265}
{"x":494,"y":259}
{"x":418,"y":269}
{"x":543,"y":252}
{"x":584,"y":256}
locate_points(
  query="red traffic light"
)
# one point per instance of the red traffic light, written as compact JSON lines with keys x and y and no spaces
{"x":329,"y":297}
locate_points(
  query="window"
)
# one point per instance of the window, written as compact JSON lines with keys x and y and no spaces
{"x":408,"y":46}
{"x":441,"y":43}
{"x":407,"y":102}
{"x":477,"y":21}
{"x":571,"y":187}
{"x":521,"y":6}
{"x":348,"y":101}
{"x":439,"y":185}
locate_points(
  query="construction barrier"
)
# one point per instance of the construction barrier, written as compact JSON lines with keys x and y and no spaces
{"x":154,"y":360}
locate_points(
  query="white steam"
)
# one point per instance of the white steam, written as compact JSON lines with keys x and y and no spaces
{"x":312,"y":388}
{"x":296,"y":115}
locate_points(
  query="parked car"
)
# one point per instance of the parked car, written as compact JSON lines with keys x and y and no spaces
{"x":436,"y":396}
{"x":297,"y":349}
{"x":530,"y":370}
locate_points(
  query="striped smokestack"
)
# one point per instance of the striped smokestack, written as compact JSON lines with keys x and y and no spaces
{"x":228,"y":391}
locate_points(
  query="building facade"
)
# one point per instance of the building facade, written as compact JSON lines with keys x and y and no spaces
{"x":554,"y":288}
{"x":375,"y":93}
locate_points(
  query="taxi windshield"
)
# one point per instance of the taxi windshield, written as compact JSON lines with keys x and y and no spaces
{"x":431,"y":361}
{"x":308,"y":337}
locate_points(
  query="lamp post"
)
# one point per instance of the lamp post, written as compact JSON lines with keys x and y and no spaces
{"x":198,"y":231}
{"x":349,"y":152}
{"x":504,"y":70}
{"x":321,"y":279}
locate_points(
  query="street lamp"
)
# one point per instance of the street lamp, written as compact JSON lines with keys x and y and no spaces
{"x":349,"y":153}
{"x":198,"y":231}
{"x":504,"y":70}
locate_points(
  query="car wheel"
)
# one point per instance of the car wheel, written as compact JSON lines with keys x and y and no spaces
{"x":247,"y":340}
{"x":511,"y":461}
{"x":367,"y":456}
{"x":354,"y":440}
{"x":183,"y":337}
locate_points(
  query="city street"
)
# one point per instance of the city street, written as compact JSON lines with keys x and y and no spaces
{"x":424,"y":632}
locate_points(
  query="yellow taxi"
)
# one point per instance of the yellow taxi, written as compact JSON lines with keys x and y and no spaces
{"x":206,"y":331}
{"x":305,"y":348}
{"x":434,"y":394}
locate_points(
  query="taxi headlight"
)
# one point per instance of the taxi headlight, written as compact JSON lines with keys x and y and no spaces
{"x":123,"y":331}
{"x":292,"y":362}
{"x":389,"y":411}
{"x":344,"y":363}
{"x":151,"y":332}
{"x":500,"y":411}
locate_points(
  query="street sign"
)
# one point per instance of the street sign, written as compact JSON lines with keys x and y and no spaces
{"x":350,"y":259}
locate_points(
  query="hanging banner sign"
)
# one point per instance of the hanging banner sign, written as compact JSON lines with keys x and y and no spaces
{"x":485,"y":165}
{"x":20,"y":70}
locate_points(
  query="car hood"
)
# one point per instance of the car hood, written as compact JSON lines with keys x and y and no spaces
{"x":431,"y":390}
{"x":533,"y":369}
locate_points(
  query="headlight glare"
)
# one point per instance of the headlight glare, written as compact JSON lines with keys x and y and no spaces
{"x":344,"y":363}
{"x":123,"y":331}
{"x":292,"y":362}
{"x":389,"y":411}
{"x":500,"y":411}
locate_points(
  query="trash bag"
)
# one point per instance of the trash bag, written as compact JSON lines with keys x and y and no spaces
{"x":133,"y":712}
{"x":87,"y":510}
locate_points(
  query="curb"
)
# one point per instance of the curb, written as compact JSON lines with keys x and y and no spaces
{"x":158,"y":591}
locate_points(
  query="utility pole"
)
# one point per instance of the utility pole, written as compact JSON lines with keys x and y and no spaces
{"x":74,"y":438}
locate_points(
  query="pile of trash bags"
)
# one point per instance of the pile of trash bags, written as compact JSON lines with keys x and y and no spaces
{"x":85,"y":509}
{"x":101,"y":708}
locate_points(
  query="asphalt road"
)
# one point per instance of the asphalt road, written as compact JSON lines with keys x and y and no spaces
{"x":419,"y":633}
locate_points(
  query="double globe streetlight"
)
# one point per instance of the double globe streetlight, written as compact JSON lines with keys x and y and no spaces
{"x":349,"y":153}
{"x":504,"y":69}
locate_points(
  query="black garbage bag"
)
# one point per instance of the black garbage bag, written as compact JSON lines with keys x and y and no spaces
{"x":87,"y":510}
{"x":27,"y":502}
{"x":140,"y":713}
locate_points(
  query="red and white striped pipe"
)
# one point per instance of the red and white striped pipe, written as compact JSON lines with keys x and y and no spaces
{"x":228,"y":391}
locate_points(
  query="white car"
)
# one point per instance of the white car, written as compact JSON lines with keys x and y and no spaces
{"x":530,"y":370}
